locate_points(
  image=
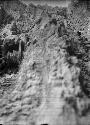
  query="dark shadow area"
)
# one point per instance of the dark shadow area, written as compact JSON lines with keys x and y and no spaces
{"x":53,"y":21}
{"x":11,"y":57}
{"x":84,"y":84}
{"x":62,"y":30}
{"x":79,"y":48}
{"x":44,"y":124}
{"x":77,"y":3}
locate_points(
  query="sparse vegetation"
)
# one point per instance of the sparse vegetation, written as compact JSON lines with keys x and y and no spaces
{"x":44,"y":57}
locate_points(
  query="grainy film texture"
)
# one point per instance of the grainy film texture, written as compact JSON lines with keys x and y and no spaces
{"x":44,"y":62}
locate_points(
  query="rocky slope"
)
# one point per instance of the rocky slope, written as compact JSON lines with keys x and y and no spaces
{"x":51,"y":76}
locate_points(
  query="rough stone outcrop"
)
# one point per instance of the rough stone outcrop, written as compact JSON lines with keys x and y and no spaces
{"x":48,"y":87}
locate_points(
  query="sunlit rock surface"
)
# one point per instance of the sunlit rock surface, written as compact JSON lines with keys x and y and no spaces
{"x":49,"y":89}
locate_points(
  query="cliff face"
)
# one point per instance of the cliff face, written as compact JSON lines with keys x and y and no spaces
{"x":51,"y":64}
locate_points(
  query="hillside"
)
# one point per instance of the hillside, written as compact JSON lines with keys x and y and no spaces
{"x":44,"y":65}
